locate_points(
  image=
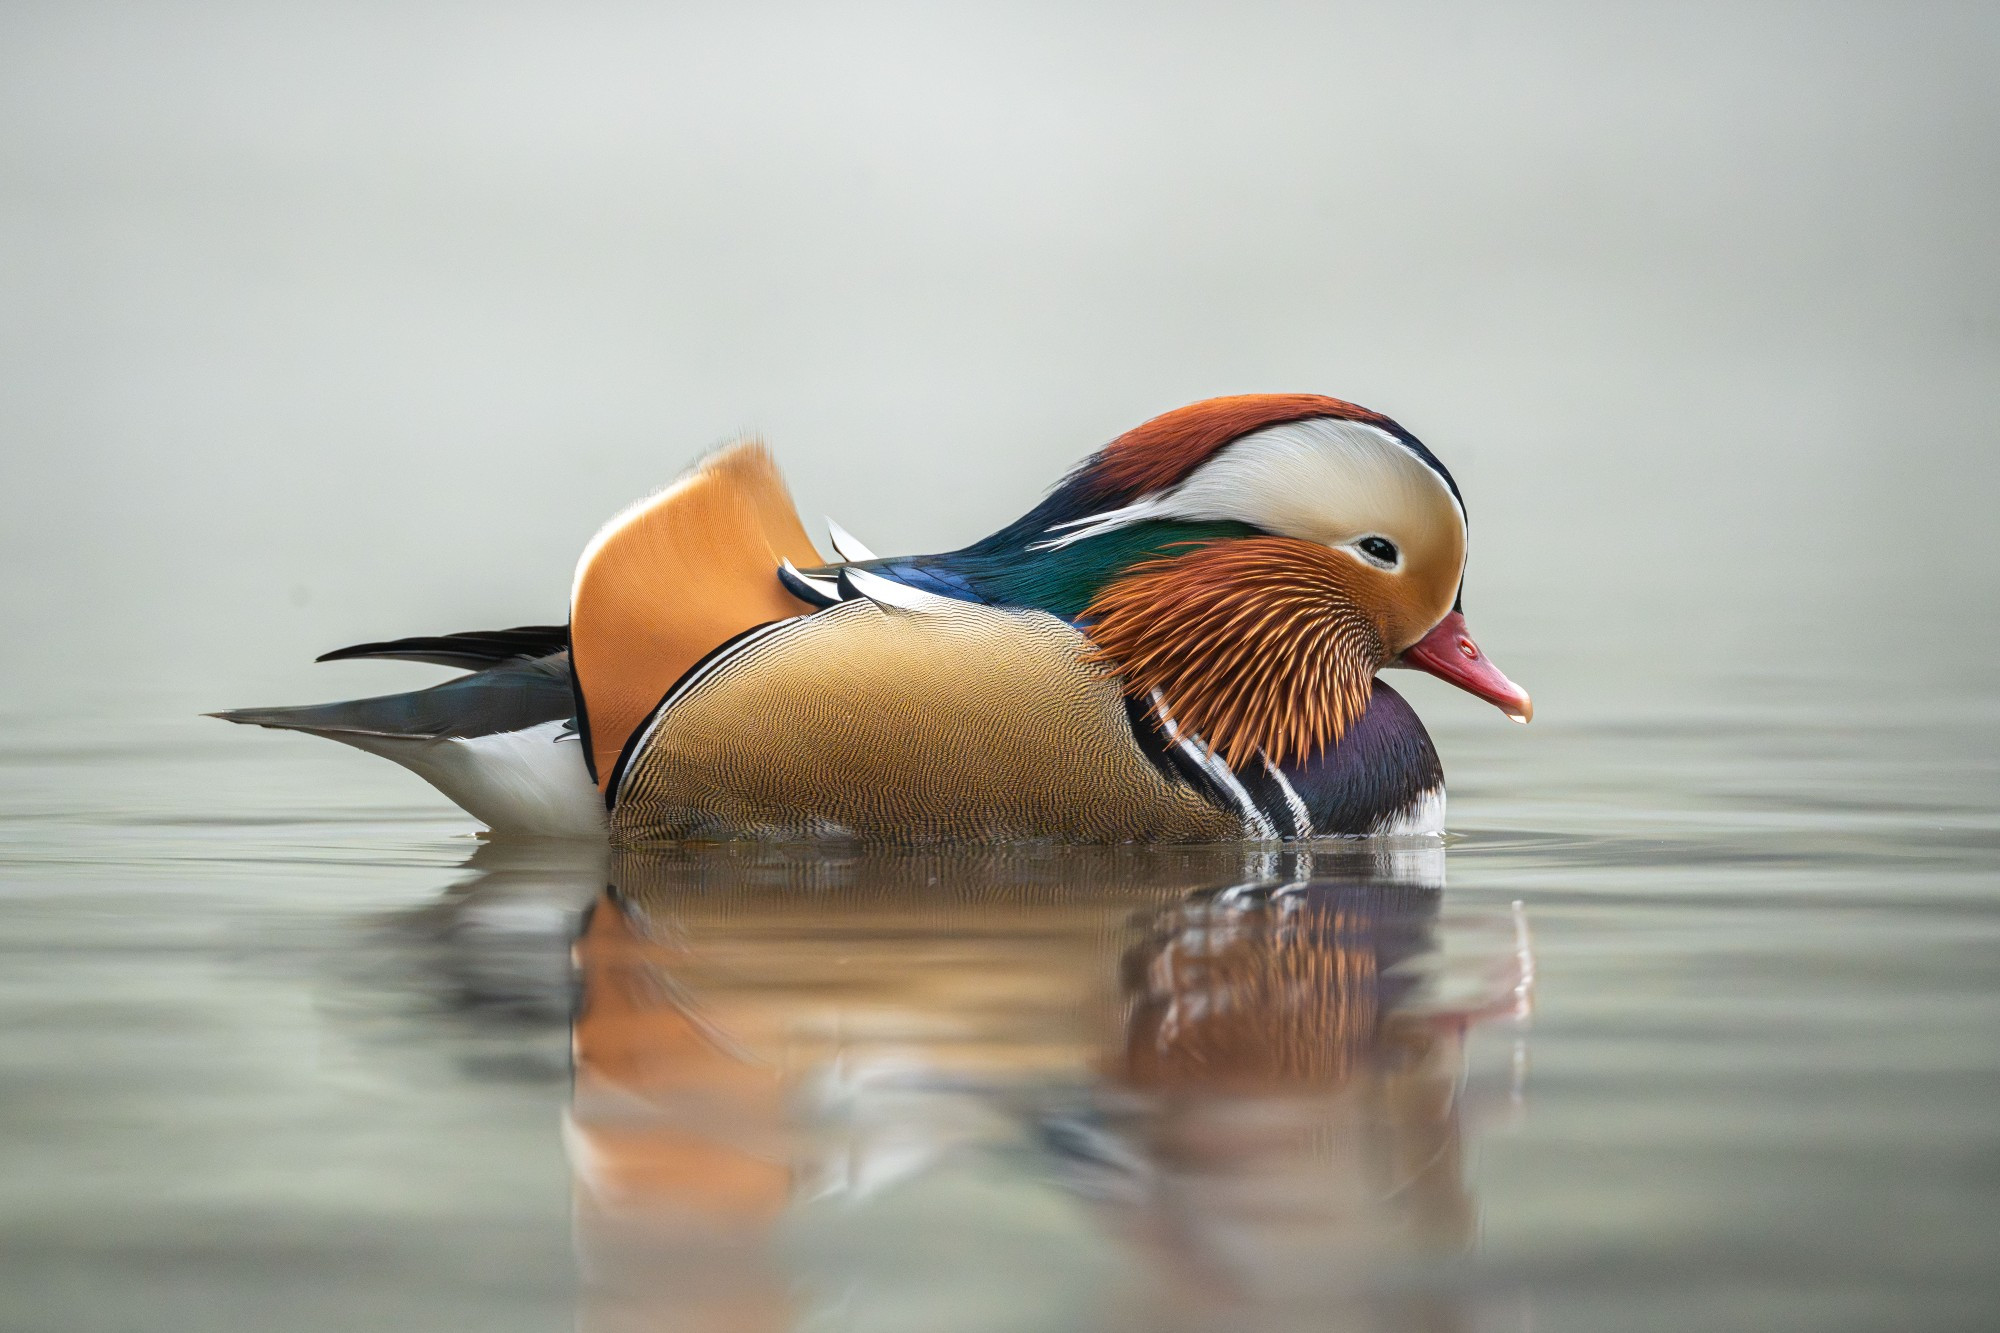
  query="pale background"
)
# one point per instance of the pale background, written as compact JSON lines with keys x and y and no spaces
{"x":322,"y":322}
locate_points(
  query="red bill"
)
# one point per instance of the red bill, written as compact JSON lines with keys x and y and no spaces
{"x":1449,"y":653}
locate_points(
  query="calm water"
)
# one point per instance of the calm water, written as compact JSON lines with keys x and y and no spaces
{"x":1691,"y":1025}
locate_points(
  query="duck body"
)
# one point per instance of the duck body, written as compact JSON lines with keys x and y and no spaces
{"x":1180,"y":644}
{"x":943,"y":721}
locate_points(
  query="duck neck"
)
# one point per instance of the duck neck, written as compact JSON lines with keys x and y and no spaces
{"x":1013,"y":567}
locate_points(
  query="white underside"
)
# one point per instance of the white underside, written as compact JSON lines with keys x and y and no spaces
{"x":1422,"y":817}
{"x":529,"y":783}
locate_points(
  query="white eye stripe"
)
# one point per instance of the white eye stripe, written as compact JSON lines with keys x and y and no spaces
{"x":1320,"y":479}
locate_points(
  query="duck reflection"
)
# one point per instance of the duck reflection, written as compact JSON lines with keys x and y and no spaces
{"x":1304,"y":1126}
{"x":1118,"y":1088}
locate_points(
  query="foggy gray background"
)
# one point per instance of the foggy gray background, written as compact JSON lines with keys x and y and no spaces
{"x":322,"y":322}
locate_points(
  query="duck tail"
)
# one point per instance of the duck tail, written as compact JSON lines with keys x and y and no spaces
{"x":672,"y":578}
{"x":512,"y":696}
{"x":473,"y":650}
{"x":498,"y":742}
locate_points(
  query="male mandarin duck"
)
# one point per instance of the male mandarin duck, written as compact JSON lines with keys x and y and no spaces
{"x":1180,"y":643}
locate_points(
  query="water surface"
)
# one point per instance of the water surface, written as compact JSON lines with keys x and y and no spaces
{"x":1689,"y":1025}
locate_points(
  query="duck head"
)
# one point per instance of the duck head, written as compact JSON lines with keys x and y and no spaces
{"x":1248,"y":564}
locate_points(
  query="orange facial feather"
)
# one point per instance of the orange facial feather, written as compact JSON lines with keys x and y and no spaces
{"x":1258,"y":644}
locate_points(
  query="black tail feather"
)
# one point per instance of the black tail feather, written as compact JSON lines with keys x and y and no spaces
{"x":511,"y":697}
{"x":471,"y":650}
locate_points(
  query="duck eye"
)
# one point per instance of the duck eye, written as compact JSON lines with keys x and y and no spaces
{"x":1379,"y":549}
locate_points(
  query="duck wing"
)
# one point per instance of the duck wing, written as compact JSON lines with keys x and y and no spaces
{"x":670,"y":580}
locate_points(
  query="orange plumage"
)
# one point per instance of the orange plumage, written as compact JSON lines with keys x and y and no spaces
{"x":672,"y":577}
{"x":1259,"y":644}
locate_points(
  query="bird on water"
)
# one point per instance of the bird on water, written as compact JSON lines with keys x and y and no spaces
{"x":1181,"y":643}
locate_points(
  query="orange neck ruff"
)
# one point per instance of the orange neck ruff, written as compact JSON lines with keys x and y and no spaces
{"x":1256,"y":644}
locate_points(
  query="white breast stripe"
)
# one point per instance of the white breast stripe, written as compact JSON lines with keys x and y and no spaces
{"x":1302,"y":819}
{"x":1255,"y":821}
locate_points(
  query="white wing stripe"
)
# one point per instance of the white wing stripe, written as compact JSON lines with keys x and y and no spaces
{"x":845,"y":545}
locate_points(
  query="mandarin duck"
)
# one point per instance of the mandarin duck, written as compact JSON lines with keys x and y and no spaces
{"x":1179,"y":644}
